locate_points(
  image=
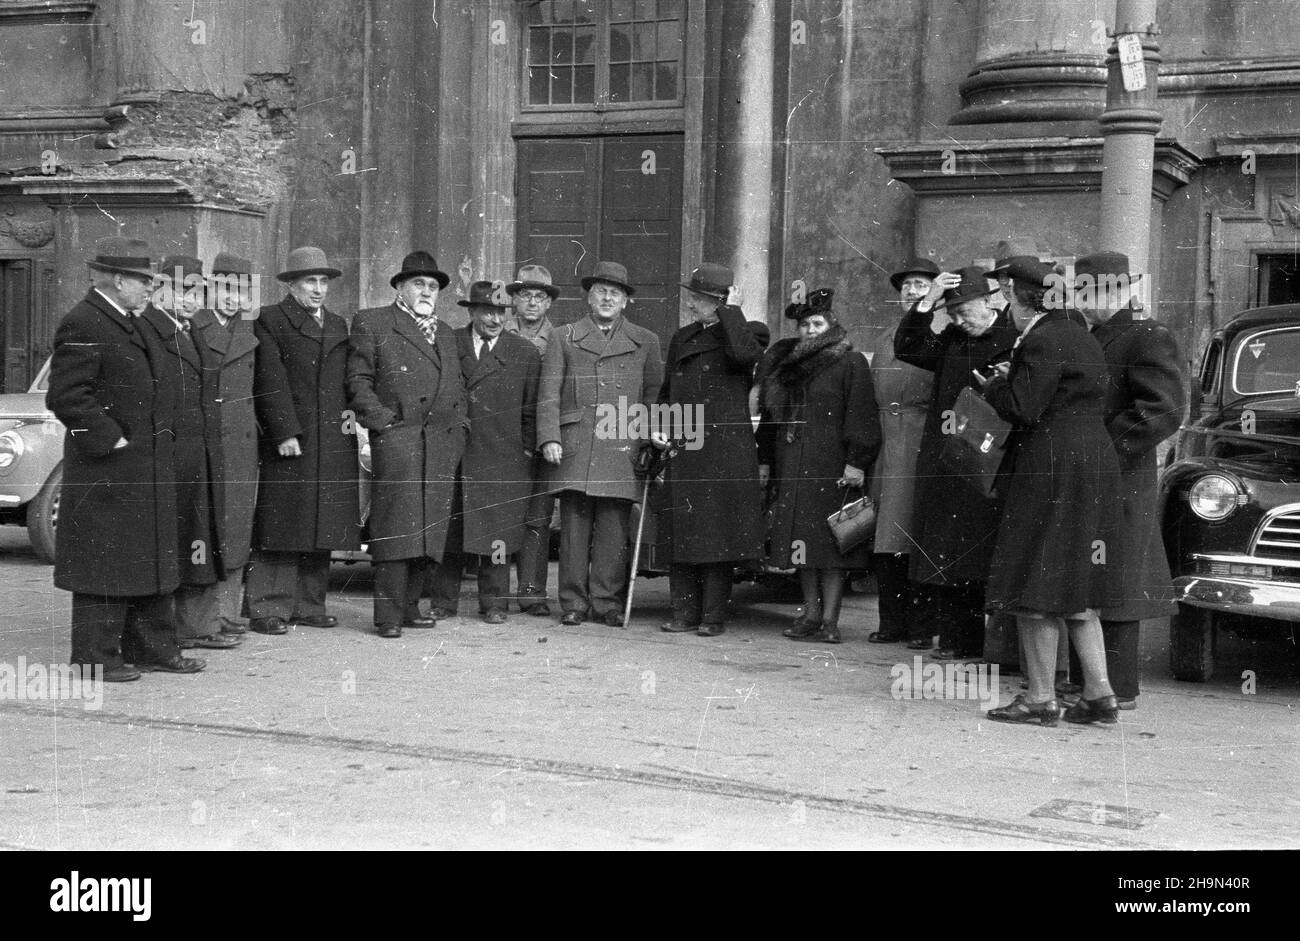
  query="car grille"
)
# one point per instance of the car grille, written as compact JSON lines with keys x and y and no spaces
{"x":1280,"y":538}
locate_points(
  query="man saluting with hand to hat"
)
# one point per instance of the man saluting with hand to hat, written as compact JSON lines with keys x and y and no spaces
{"x":307,"y":501}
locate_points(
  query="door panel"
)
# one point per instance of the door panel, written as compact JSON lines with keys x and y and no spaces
{"x":16,"y":317}
{"x":582,"y":200}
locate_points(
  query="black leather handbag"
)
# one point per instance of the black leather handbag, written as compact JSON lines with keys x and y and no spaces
{"x":853,"y":523}
{"x":977,"y":442}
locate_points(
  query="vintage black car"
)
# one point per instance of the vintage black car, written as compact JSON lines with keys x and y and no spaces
{"x":1231,"y":492}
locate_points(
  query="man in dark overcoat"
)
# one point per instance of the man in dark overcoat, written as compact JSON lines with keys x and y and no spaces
{"x":955,"y":523}
{"x":406,"y":388}
{"x":1144,"y":403}
{"x":227,"y":329}
{"x":307,"y":500}
{"x":115,"y":547}
{"x":532,"y":293}
{"x":189,"y":411}
{"x":594,"y":372}
{"x":495,"y":484}
{"x":713,"y":503}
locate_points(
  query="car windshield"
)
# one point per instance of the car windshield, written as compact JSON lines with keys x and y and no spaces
{"x":1267,"y":361}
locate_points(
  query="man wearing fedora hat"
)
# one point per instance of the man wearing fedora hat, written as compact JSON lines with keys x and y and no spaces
{"x":187,"y":409}
{"x":495,"y":483}
{"x":227,"y":329}
{"x":955,"y":523}
{"x":406,"y":387}
{"x":116,"y":543}
{"x":307,"y":500}
{"x":593,"y":367}
{"x":533,"y":292}
{"x":1144,"y":402}
{"x":902,"y":399}
{"x":712,"y":504}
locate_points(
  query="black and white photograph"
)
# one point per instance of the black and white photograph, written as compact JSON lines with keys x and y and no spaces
{"x":667,"y":425}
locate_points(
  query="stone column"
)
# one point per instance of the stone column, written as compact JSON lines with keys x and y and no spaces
{"x":1037,"y":60}
{"x":1128,"y":128}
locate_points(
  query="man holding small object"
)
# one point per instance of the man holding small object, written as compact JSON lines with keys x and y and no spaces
{"x":713,"y":501}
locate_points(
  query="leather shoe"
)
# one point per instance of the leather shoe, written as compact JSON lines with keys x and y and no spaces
{"x":441,"y":614}
{"x":802,"y":627}
{"x":233,"y":627}
{"x":539,"y":610}
{"x":1044,"y":713}
{"x":823,"y":635}
{"x":921,"y":643}
{"x":613,"y":619}
{"x":678,"y":627}
{"x":120,"y":674}
{"x":952,"y":653}
{"x":880,"y":637}
{"x":1126,"y":704}
{"x":388,"y":630}
{"x":211,"y":642}
{"x":572,"y":618}
{"x":176,"y":664}
{"x":711,"y":630}
{"x":1103,"y":709}
{"x":421,"y":621}
{"x":268,"y":626}
{"x":495,"y":616}
{"x":315,"y":620}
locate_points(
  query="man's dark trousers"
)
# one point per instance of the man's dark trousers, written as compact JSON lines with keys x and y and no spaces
{"x":700,"y":592}
{"x":111,"y":630}
{"x":594,"y":535}
{"x":286,"y":585}
{"x":398,"y":586}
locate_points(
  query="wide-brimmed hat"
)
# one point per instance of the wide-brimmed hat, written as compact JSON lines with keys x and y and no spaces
{"x":916,"y":266}
{"x":1029,"y":270}
{"x":711,"y":279}
{"x":481,"y":294}
{"x":1106,"y":264}
{"x":420,"y":263}
{"x":226,"y":263}
{"x":533,"y":276}
{"x":117,"y":254}
{"x":185,"y":264}
{"x":305,"y":262}
{"x":1002,"y":266}
{"x":974,"y":283}
{"x":1009,"y":249}
{"x":611,"y":272}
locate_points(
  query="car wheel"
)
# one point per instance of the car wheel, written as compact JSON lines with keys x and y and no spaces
{"x":43,"y":516}
{"x":1191,"y":644}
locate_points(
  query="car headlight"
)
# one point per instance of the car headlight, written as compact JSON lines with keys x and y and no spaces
{"x":12,"y":447}
{"x":1213,"y":497}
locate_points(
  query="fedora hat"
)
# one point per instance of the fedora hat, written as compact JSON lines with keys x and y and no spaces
{"x":480,"y":295}
{"x":611,"y":272}
{"x":304,"y":262}
{"x":916,"y":266}
{"x":974,"y":283}
{"x":1008,"y":249}
{"x":186,"y":265}
{"x":533,"y":276}
{"x":1029,"y":270}
{"x":120,"y":255}
{"x":226,"y":263}
{"x":711,"y":279}
{"x":1113,"y":264}
{"x":1002,"y":266}
{"x":419,"y":263}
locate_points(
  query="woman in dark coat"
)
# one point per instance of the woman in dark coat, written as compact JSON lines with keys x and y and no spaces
{"x":819,"y":433}
{"x":713,"y":505}
{"x":1049,"y":565}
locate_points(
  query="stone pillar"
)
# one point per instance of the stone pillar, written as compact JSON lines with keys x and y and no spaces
{"x":1128,"y":128}
{"x":744,"y":171}
{"x":1037,"y":60}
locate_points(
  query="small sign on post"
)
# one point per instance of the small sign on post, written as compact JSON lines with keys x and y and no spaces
{"x":1133,"y":70}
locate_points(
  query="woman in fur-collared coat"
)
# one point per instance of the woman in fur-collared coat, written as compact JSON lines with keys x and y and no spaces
{"x":819,"y":432}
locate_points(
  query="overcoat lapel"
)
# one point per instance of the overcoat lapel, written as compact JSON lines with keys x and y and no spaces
{"x":405,"y":326}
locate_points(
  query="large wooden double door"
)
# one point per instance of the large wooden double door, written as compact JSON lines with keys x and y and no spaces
{"x":589,"y":199}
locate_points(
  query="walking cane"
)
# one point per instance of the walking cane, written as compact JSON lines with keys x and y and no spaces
{"x":653,"y":465}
